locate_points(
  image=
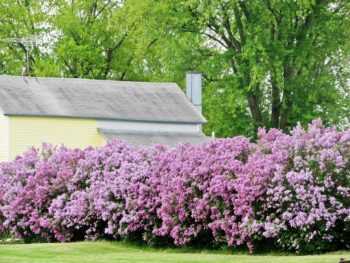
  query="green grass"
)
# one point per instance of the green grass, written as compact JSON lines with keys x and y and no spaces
{"x":110,"y":252}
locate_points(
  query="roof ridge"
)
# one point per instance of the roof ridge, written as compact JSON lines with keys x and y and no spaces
{"x":86,"y":79}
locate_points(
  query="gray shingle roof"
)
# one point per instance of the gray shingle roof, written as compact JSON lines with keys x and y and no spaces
{"x":97,"y":99}
{"x":152,"y":138}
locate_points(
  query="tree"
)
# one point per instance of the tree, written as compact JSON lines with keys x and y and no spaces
{"x":285,"y":59}
{"x":95,"y":38}
{"x":265,"y":63}
{"x":101,"y":39}
{"x":21,"y":21}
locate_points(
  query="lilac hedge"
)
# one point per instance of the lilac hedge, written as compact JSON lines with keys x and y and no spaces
{"x":292,"y":191}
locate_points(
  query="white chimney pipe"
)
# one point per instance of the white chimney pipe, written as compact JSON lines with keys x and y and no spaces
{"x":194,"y":89}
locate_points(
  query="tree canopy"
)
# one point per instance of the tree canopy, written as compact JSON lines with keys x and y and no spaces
{"x":265,"y":62}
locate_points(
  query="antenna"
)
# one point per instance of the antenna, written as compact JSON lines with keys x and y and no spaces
{"x":28,"y":43}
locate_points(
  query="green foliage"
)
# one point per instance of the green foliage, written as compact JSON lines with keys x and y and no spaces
{"x":20,"y":19}
{"x":265,"y":62}
{"x":287,"y":59}
{"x":98,"y":38}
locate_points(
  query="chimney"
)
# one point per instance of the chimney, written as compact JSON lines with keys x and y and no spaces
{"x":194,"y":89}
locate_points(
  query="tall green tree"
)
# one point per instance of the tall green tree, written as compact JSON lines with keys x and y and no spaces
{"x":23,"y":24}
{"x":285,"y":61}
{"x":97,"y":38}
{"x":102,"y":39}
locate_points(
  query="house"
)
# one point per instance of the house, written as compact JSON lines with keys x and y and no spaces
{"x":81,"y":112}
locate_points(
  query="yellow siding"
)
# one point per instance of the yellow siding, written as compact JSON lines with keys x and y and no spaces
{"x":26,"y":132}
{"x":4,"y":138}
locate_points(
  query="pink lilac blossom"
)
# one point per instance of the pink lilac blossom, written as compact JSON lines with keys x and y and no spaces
{"x":293,"y":189}
{"x":309,"y":191}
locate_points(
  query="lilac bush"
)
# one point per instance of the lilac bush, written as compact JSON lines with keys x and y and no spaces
{"x":306,"y":206}
{"x":33,"y":180}
{"x":209,"y":189}
{"x":115,"y":174}
{"x":3,"y":189}
{"x":291,"y":189}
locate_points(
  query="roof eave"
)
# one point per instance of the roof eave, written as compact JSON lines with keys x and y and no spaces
{"x":203,"y":121}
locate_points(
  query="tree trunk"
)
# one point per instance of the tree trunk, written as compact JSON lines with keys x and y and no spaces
{"x":287,"y":100}
{"x":275,"y":105}
{"x":254,"y":106}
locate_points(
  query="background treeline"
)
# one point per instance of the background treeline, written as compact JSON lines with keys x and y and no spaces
{"x":265,"y":62}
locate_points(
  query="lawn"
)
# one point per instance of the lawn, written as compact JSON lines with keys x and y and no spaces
{"x":108,"y":252}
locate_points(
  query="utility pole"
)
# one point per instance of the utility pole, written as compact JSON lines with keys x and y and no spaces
{"x":28,"y":43}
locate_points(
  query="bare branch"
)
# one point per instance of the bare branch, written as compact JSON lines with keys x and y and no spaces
{"x":223,"y":44}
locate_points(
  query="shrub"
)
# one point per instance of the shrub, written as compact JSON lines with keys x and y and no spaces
{"x":32,"y":182}
{"x":115,"y":175}
{"x":208,"y":190}
{"x":306,"y":206}
{"x":292,"y":190}
{"x":62,"y":194}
